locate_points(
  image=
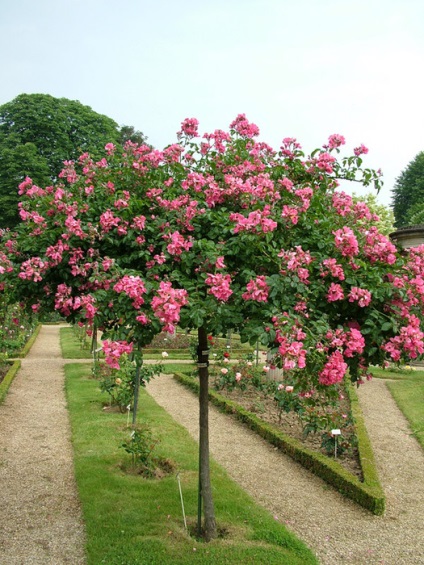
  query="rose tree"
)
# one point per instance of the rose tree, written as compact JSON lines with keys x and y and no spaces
{"x":220,"y":233}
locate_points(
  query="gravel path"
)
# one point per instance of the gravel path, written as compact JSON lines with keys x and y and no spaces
{"x":40,"y":518}
{"x":335,"y":528}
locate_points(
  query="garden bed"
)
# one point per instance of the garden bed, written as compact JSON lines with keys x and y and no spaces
{"x":265,"y":408}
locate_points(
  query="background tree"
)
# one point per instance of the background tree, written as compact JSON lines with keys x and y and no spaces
{"x":129,"y":133}
{"x":408,"y":193}
{"x":416,"y":214}
{"x":39,"y":132}
{"x":15,"y":162}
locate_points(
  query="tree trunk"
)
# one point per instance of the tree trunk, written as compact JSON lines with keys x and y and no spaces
{"x":94,"y":343}
{"x":136,"y":392}
{"x":205,"y":489}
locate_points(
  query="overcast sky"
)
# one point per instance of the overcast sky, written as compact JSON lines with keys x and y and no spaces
{"x":304,"y":68}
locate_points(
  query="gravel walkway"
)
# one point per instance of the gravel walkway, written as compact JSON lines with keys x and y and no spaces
{"x":40,"y":518}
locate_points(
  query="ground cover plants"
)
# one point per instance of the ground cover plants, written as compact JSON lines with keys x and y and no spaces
{"x":131,"y":519}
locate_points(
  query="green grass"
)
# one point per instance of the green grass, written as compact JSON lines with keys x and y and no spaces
{"x":72,"y":348}
{"x":171,"y":355}
{"x":407,"y":388}
{"x":178,"y":368}
{"x":130,"y":520}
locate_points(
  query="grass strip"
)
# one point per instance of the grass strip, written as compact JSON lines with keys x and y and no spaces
{"x":170,"y":368}
{"x":368,"y":494}
{"x":8,"y":379}
{"x":134,"y":520}
{"x":71,"y":345}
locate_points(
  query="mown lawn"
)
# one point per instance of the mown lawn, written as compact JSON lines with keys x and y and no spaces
{"x":132,"y":520}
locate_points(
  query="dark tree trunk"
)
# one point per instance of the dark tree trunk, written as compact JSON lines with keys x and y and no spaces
{"x":209,"y":526}
{"x":94,"y":345}
{"x":136,"y":392}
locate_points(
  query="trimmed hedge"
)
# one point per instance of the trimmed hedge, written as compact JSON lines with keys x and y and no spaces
{"x":368,"y":493}
{"x":8,"y":379}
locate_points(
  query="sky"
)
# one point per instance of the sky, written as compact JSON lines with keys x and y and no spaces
{"x":305,"y":68}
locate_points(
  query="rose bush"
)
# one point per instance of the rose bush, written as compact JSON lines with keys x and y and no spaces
{"x":223,"y":232}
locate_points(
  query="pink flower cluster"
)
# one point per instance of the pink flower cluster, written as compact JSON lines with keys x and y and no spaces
{"x":290,"y":212}
{"x":354,"y":343}
{"x":243,"y":127}
{"x":220,"y":286}
{"x":290,"y":147}
{"x":378,"y":247}
{"x":65,"y":303}
{"x":196,"y":181}
{"x":351,"y":340}
{"x":291,"y":347}
{"x":167,"y":305}
{"x":55,"y":252}
{"x":257,"y":290}
{"x":132,"y":286}
{"x":335,"y":293}
{"x":334,"y":370}
{"x":31,"y":216}
{"x":177,"y":244}
{"x":346,"y":242}
{"x":336,"y":140}
{"x":257,"y":219}
{"x":325,"y":162}
{"x":334,"y":269}
{"x":69,"y":172}
{"x":138,"y":223}
{"x":32,"y":269}
{"x":217,"y":137}
{"x":361,"y":150}
{"x":108,"y":221}
{"x":5,"y":264}
{"x":360,"y":295}
{"x":342,"y":203}
{"x":410,"y":340}
{"x":189,"y":127}
{"x":114,"y":350}
{"x":296,"y":261}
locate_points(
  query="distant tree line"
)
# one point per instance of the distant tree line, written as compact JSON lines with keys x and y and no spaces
{"x":408,"y":194}
{"x":38,"y":132}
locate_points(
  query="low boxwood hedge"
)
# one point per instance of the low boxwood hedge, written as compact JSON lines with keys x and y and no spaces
{"x":8,"y":379}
